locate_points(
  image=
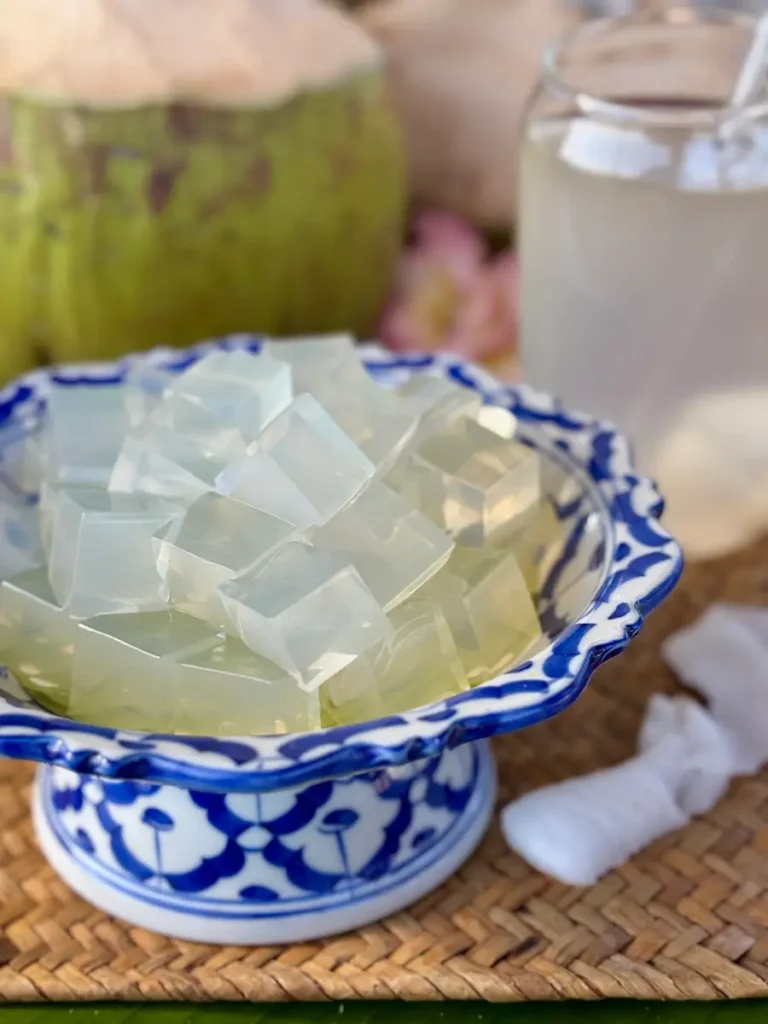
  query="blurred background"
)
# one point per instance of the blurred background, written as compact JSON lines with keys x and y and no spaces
{"x":589,"y":215}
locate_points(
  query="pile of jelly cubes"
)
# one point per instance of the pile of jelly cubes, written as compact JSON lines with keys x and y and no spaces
{"x":271,"y":543}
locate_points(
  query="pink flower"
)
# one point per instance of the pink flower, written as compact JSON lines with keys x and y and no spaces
{"x":451,"y":294}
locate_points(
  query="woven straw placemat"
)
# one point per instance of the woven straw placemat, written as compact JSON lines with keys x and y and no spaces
{"x":687,"y":919}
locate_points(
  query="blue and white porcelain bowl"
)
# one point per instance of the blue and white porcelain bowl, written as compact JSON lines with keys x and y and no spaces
{"x":277,"y":839}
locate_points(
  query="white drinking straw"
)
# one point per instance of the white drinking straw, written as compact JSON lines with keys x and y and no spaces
{"x":753,"y":66}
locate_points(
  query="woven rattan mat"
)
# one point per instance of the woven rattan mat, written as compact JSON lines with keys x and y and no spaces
{"x":687,"y":919}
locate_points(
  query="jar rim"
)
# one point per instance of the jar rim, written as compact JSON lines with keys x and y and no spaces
{"x":681,"y":115}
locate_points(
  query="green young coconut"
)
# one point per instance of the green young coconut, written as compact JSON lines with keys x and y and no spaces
{"x":174,"y":170}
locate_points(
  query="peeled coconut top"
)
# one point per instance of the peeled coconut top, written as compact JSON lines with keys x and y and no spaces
{"x":216,"y":52}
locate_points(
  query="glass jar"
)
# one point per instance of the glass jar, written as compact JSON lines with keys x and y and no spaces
{"x":643,"y":241}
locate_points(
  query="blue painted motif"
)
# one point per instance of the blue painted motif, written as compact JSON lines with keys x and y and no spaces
{"x":268,"y":855}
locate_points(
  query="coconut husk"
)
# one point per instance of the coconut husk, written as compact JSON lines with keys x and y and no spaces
{"x":116,"y":52}
{"x":178,"y":169}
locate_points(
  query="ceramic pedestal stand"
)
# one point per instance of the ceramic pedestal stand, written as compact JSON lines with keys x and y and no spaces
{"x":285,"y":866}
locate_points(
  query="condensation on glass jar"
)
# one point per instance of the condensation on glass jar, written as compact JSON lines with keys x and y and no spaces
{"x":643,"y":241}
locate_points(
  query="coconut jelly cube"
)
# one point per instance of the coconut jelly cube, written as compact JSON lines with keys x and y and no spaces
{"x":82,"y":433}
{"x":498,"y":420}
{"x":424,"y":663}
{"x":437,"y":402}
{"x":419,"y":664}
{"x":244,"y":390}
{"x":102,"y":557}
{"x":448,"y":592}
{"x":308,"y":611}
{"x":37,"y":637}
{"x":171,"y":455}
{"x":193,"y":420}
{"x":46,"y":507}
{"x":331,"y":357}
{"x":28,"y":606}
{"x":329,"y":368}
{"x":375,"y":420}
{"x":228,"y":690}
{"x":489,"y":609}
{"x":125,"y":667}
{"x":472,"y":482}
{"x":145,"y":386}
{"x":217,"y":539}
{"x":393,"y":546}
{"x":29,"y":472}
{"x":302,"y":467}
{"x":21,"y":547}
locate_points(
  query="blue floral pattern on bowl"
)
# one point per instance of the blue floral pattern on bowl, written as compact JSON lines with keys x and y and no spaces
{"x":266,"y":866}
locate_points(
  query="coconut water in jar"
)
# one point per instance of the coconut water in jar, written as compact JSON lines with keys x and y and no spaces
{"x":644,"y":256}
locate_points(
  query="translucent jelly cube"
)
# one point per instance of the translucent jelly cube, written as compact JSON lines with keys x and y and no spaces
{"x":21,"y":548}
{"x":36,"y":638}
{"x":125,"y":667}
{"x":228,"y":690}
{"x":472,"y":482}
{"x":82,"y":433}
{"x":329,"y":368}
{"x":424,"y":663}
{"x":244,"y":390}
{"x":374,"y":419}
{"x":144,"y":387}
{"x":217,"y":539}
{"x":46,"y":507}
{"x":448,"y":592}
{"x":330,"y":357}
{"x":308,"y":611}
{"x":31,"y":469}
{"x":418,"y":665}
{"x":169,"y":462}
{"x":498,"y":420}
{"x":302,"y":468}
{"x":393,"y":547}
{"x":102,"y":557}
{"x":437,"y":402}
{"x":27,"y":605}
{"x":194,"y":421}
{"x":498,"y":621}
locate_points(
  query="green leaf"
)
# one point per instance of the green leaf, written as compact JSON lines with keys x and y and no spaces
{"x":609,"y":1012}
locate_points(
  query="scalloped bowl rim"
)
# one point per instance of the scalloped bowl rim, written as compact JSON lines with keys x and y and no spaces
{"x":526,"y":695}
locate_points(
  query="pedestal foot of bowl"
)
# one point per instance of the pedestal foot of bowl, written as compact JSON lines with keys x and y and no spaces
{"x":281,"y":866}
